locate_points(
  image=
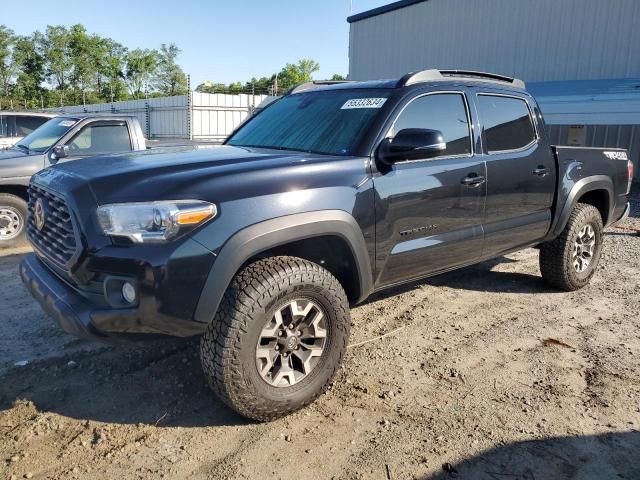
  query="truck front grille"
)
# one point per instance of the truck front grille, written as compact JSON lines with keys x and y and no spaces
{"x":55,"y":236}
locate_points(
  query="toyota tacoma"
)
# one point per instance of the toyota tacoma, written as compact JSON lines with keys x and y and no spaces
{"x":331,"y":193}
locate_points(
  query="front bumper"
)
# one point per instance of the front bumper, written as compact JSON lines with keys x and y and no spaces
{"x":78,"y":314}
{"x":70,"y":310}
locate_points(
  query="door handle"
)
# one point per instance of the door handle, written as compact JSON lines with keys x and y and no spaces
{"x":473,"y":180}
{"x":541,"y":171}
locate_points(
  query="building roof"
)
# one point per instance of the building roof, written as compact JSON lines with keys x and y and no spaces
{"x":383,"y":9}
{"x":589,"y":102}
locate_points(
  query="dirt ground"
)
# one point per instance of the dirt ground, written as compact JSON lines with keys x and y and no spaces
{"x":486,"y":374}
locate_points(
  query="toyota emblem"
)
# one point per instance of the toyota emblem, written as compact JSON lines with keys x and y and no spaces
{"x":39,"y":214}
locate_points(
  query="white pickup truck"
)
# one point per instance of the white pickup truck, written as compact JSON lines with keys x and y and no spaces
{"x":16,"y":125}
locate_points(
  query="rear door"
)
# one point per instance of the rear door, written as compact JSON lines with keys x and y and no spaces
{"x":521,"y":172}
{"x":429,"y":212}
{"x":7,"y":130}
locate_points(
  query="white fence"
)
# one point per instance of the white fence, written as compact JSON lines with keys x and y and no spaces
{"x":197,"y":116}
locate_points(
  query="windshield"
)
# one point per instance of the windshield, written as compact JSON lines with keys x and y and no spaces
{"x":326,"y":122}
{"x":42,"y":138}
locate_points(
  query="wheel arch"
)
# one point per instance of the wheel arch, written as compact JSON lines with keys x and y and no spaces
{"x":307,"y":235}
{"x":595,"y":190}
{"x":16,"y":190}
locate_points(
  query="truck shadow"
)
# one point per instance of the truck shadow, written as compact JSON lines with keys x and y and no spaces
{"x":159,"y":383}
{"x":593,"y":457}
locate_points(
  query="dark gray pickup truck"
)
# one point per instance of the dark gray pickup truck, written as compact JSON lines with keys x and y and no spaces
{"x":63,"y":138}
{"x":329,"y":194}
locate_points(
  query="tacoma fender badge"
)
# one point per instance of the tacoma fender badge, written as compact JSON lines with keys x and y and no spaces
{"x":417,"y":230}
{"x":616,"y":155}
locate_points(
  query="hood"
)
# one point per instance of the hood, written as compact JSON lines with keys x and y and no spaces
{"x":17,"y":163}
{"x":13,"y":153}
{"x":194,"y":172}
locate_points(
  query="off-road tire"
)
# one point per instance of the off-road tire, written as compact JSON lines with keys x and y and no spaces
{"x":228,"y":347}
{"x":16,"y":204}
{"x":556,"y":257}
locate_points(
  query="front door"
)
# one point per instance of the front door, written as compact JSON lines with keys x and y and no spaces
{"x":520,"y":170}
{"x":429,"y":211}
{"x":101,"y":137}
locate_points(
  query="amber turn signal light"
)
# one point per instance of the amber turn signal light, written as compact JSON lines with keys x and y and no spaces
{"x":195,"y":216}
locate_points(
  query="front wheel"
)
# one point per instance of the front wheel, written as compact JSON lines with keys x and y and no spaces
{"x":570,"y":261}
{"x":13,"y":221}
{"x":277,"y":339}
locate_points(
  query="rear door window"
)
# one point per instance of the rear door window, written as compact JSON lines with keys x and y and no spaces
{"x":7,"y":125}
{"x":26,"y":124}
{"x":99,"y":138}
{"x":507,"y":123}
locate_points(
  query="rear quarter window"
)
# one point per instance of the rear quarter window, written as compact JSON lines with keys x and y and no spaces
{"x":507,"y":123}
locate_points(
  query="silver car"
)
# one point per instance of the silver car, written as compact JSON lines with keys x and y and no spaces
{"x":16,"y":125}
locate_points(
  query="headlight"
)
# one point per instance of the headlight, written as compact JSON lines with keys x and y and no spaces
{"x":154,"y":222}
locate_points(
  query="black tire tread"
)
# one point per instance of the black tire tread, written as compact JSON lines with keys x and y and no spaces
{"x":252,"y":287}
{"x":556,"y":255}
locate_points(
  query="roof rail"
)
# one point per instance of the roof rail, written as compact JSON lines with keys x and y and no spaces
{"x":303,"y":87}
{"x":434,"y":75}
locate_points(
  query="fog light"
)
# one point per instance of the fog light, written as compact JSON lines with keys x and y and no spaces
{"x":129,"y":292}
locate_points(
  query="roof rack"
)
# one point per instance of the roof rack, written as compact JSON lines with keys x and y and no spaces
{"x":303,"y":87}
{"x":434,"y":75}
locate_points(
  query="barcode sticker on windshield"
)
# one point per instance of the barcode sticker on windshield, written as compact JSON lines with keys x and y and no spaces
{"x":363,"y":103}
{"x":67,"y":123}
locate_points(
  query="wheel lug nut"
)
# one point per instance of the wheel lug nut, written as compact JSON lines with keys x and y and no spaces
{"x":277,"y":347}
{"x":280,"y":333}
{"x":298,"y":333}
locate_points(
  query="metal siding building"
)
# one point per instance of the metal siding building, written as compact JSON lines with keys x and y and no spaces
{"x":580,"y":58}
{"x":536,"y":40}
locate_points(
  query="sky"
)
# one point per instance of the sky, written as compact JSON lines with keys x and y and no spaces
{"x":220,"y":41}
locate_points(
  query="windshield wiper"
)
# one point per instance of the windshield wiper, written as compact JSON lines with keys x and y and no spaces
{"x":22,"y":147}
{"x":275,"y":147}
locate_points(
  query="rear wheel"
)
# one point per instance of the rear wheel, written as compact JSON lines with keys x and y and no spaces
{"x":277,"y":339}
{"x":570,"y":261}
{"x":13,"y":220}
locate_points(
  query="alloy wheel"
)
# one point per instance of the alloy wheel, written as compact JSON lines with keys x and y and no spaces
{"x":583,"y":248}
{"x":292,"y":342}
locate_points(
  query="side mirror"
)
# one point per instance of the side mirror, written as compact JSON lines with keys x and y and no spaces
{"x":412,"y":144}
{"x":58,"y":152}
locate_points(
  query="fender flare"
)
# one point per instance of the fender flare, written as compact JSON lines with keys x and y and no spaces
{"x":262,"y":236}
{"x":585,"y":185}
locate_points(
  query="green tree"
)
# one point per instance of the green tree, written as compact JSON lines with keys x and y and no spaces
{"x":110,"y":60}
{"x":83,"y":50}
{"x":295,"y":74}
{"x":30,"y":71}
{"x":170,"y":79}
{"x":7,"y":40}
{"x":337,"y":77}
{"x":55,"y":49}
{"x":141,"y":67}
